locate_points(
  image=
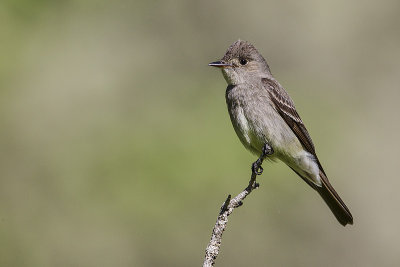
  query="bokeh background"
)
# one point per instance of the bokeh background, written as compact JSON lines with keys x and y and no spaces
{"x":117,"y":149}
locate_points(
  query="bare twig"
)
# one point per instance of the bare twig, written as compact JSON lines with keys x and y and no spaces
{"x":227,"y":208}
{"x":229,"y":205}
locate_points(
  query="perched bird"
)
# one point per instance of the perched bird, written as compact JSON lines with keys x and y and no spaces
{"x":266,"y":121}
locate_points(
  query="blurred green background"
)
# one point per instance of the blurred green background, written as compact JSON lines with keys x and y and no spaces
{"x":117,"y":148}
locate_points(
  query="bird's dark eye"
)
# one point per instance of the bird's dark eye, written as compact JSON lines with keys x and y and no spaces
{"x":243,"y":61}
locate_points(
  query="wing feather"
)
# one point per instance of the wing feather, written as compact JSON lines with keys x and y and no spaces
{"x":285,"y":107}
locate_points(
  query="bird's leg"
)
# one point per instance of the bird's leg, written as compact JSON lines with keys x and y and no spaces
{"x":256,"y":166}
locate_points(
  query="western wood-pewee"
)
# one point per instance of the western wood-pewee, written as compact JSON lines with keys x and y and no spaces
{"x":266,"y":121}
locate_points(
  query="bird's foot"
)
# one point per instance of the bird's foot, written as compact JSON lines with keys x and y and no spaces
{"x":256,"y":167}
{"x":266,"y":151}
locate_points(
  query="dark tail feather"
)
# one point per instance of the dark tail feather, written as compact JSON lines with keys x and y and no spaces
{"x":334,"y":202}
{"x":331,"y":198}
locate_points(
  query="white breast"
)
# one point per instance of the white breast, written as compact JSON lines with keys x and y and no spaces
{"x":243,"y":124}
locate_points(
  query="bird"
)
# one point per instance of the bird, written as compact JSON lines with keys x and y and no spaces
{"x":267,"y":123}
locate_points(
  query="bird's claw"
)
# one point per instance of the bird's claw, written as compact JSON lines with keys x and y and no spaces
{"x":259,"y":170}
{"x":256,"y":168}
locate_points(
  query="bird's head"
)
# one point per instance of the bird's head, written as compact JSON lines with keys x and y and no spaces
{"x":242,"y":63}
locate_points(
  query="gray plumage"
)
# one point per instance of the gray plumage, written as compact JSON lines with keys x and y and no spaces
{"x":262,"y":112}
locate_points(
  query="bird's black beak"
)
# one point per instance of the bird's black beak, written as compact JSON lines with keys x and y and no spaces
{"x":219,"y":64}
